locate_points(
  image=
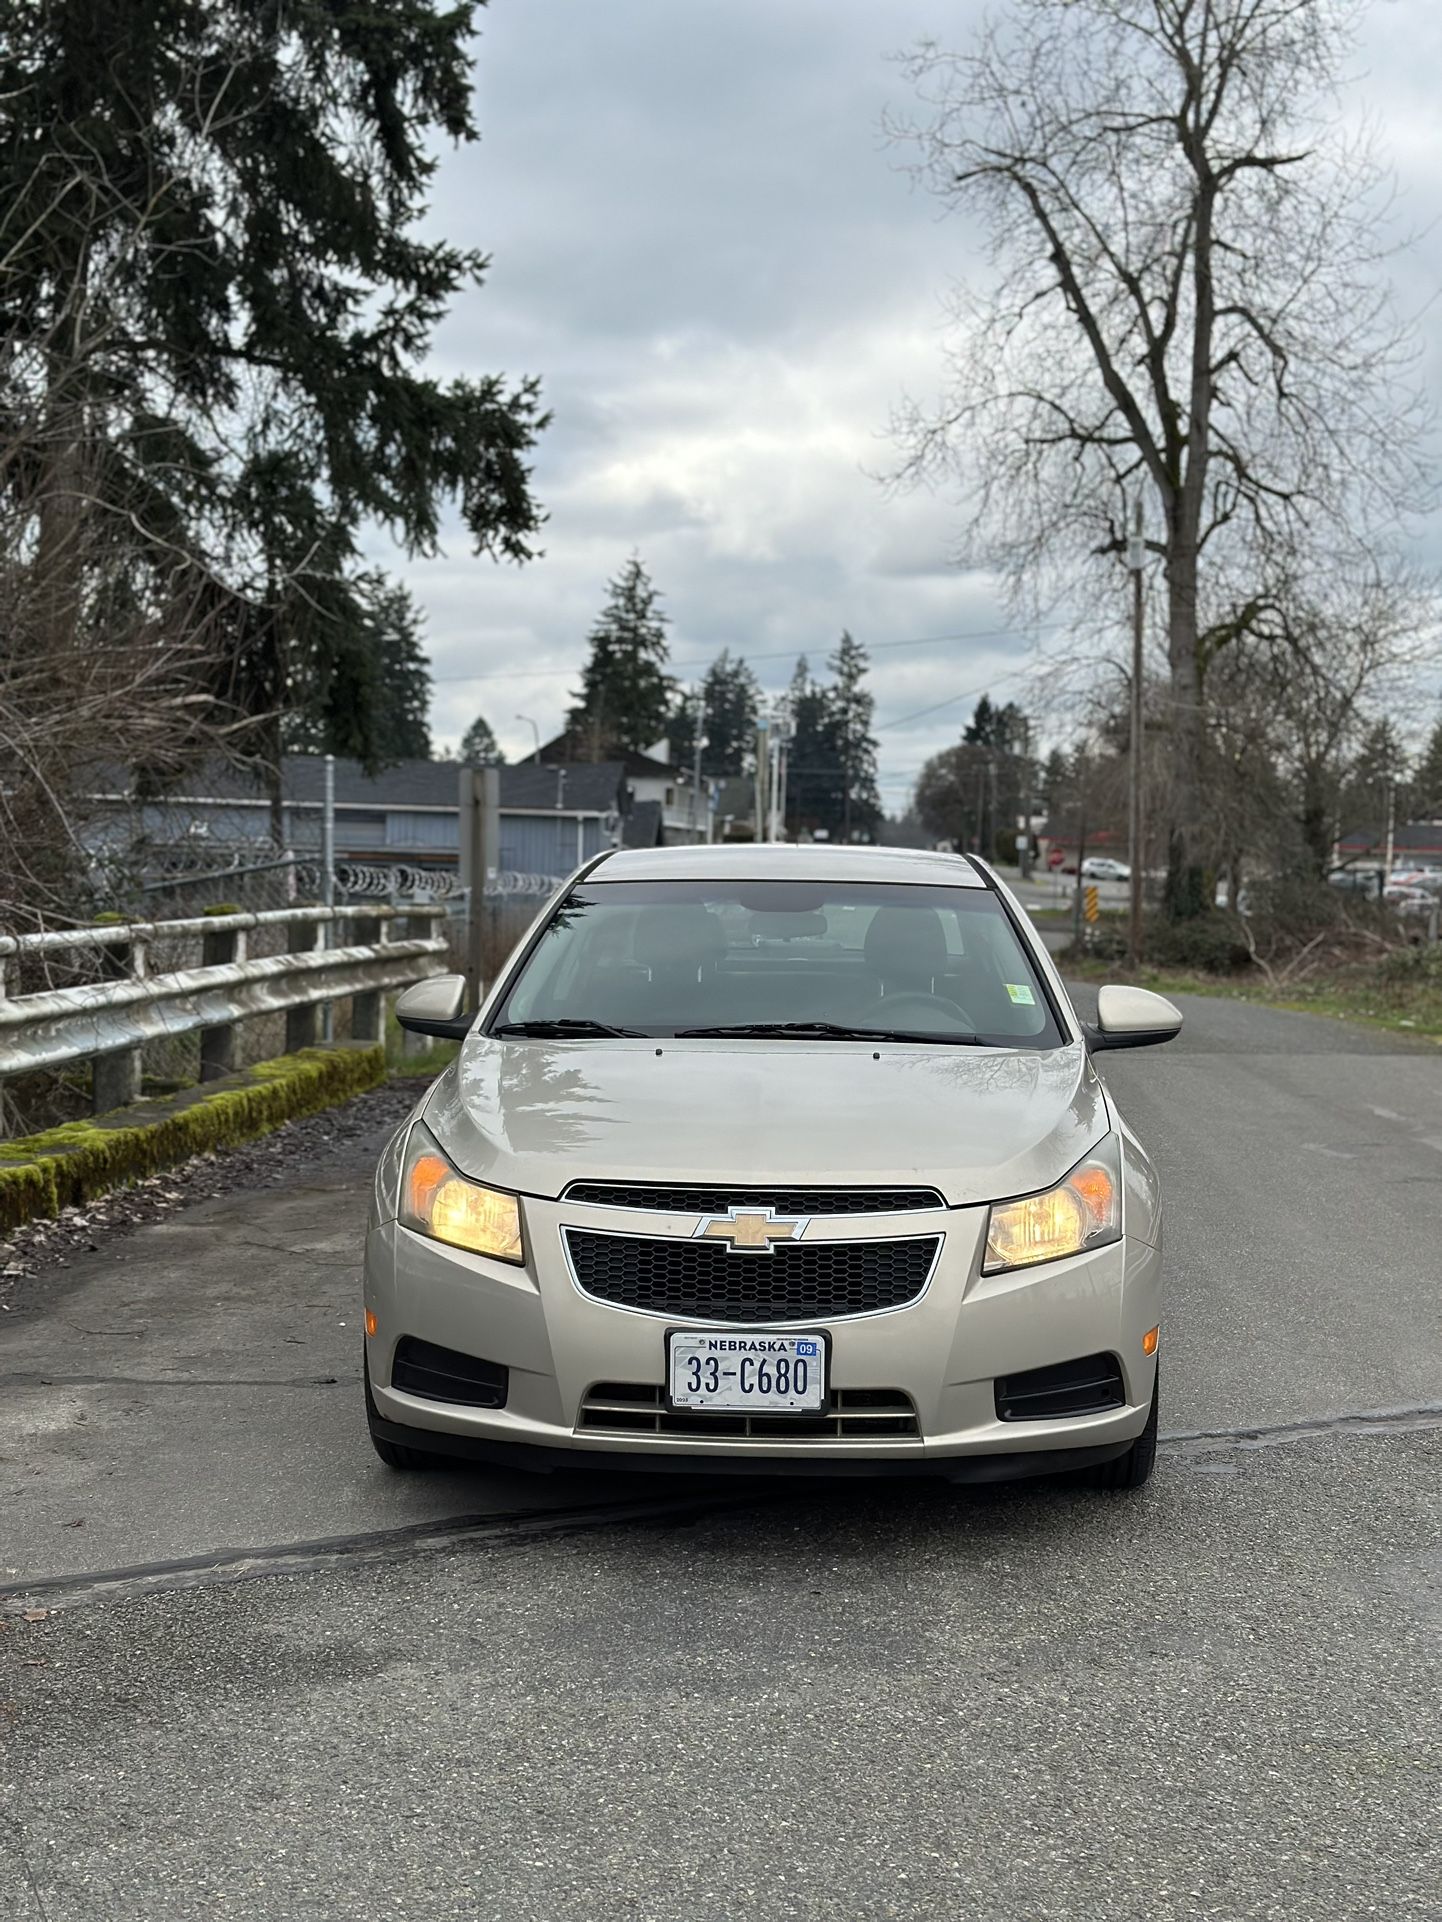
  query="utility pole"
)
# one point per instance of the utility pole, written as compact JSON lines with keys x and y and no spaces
{"x":763,"y":768}
{"x":1136,"y":561}
{"x":1026,"y":860}
{"x":480,"y":831}
{"x":1391,"y":851}
{"x":981,"y":810}
{"x":991,"y":838}
{"x":696,"y":771}
{"x":327,"y":884}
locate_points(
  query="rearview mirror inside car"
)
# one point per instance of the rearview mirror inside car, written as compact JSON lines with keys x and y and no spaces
{"x":434,"y":1007}
{"x":1132,"y":1018}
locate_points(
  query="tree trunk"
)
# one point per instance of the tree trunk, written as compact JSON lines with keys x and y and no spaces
{"x":1186,"y":890}
{"x":1316,"y":824}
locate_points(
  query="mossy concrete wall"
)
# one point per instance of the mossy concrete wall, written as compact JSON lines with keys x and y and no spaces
{"x":68,"y":1166}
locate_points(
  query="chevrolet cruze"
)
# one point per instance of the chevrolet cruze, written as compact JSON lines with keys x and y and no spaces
{"x":773,"y":1158}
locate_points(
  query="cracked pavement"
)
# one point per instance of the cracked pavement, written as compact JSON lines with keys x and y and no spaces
{"x":473,"y":1695}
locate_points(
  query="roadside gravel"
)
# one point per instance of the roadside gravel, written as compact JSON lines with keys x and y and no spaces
{"x":316,"y":1138}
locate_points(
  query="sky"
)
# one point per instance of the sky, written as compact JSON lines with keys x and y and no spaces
{"x":726,"y":281}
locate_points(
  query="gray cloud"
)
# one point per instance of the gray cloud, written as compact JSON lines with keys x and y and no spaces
{"x":726,"y":283}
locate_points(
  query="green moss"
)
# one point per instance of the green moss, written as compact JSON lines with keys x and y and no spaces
{"x":68,"y":1166}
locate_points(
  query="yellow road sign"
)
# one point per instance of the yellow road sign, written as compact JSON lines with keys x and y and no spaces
{"x":1091,"y":905}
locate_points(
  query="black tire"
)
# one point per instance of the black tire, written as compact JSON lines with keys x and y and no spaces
{"x":1134,"y":1469}
{"x":393,"y":1454}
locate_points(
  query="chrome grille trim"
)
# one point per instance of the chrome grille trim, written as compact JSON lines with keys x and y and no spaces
{"x":704,"y":1198}
{"x":851,"y":1414}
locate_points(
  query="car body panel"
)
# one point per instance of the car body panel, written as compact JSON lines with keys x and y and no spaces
{"x":944,"y":1351}
{"x":976,"y":1123}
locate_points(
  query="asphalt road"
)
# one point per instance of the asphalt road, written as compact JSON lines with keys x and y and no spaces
{"x":1218,"y":1699}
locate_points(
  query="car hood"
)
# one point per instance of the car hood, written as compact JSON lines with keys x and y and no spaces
{"x":977,"y":1124}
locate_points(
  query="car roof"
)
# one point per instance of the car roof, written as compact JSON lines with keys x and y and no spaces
{"x":788,"y":861}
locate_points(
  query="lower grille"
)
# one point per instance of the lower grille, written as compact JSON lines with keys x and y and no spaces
{"x":852,"y":1414}
{"x":796,"y":1281}
{"x":444,"y":1374}
{"x":1085,"y":1387}
{"x":682,"y":1198}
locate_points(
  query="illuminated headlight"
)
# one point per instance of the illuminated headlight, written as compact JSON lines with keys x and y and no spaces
{"x":436,"y":1200}
{"x":1084,"y":1211}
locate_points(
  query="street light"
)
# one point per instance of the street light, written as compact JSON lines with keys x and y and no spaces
{"x":536,"y":732}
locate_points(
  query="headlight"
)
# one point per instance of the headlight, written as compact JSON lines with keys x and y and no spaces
{"x":437,"y":1201}
{"x":1084,"y":1211}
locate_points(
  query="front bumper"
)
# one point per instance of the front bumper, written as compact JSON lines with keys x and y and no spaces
{"x":943,"y":1351}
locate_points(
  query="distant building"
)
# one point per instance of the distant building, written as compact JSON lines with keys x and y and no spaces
{"x":651,"y":777}
{"x":552,"y":818}
{"x":1418,"y":843}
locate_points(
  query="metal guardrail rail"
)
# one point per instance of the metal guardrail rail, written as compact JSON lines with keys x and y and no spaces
{"x":110,"y":1020}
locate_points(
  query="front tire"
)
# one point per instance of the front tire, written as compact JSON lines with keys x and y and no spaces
{"x":1134,"y":1469}
{"x":393,"y":1454}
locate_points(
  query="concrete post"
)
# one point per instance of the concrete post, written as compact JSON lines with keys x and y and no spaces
{"x":367,"y":1011}
{"x":218,"y":1046}
{"x":412,"y":928}
{"x":115,"y":1078}
{"x":301,"y":1024}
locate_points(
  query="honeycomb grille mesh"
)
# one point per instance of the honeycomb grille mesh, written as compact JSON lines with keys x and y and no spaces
{"x":796,"y":1281}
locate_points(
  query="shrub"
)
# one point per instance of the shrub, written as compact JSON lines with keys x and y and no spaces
{"x":1209,"y":943}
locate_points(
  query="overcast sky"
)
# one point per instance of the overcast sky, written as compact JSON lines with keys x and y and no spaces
{"x":701,"y":245}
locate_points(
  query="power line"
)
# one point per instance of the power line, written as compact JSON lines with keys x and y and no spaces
{"x":997,"y":680}
{"x":779,"y":654}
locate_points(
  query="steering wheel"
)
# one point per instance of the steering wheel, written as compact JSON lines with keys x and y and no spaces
{"x":928,"y":1002}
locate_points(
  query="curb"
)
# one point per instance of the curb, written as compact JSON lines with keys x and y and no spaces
{"x":68,"y":1166}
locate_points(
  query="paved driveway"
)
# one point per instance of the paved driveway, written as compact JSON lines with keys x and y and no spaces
{"x":1217,"y":1700}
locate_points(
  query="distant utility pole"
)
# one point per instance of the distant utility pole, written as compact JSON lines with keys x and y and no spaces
{"x":763,"y":768}
{"x":1136,"y":561}
{"x":696,"y":772}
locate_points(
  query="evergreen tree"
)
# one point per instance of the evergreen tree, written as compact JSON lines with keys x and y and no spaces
{"x":850,"y":709}
{"x":369,"y":700}
{"x":479,"y":745}
{"x":731,"y":700}
{"x":232,"y":195}
{"x":626,"y":695}
{"x":1426,"y":786}
{"x":813,"y":786}
{"x":1376,"y":781}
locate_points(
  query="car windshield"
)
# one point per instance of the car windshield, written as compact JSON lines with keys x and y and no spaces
{"x":840,"y":960}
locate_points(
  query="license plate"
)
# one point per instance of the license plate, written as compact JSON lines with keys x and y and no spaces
{"x":731,"y":1371}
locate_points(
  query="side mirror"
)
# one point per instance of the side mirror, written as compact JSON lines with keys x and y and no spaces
{"x":1132,"y":1018}
{"x":434,"y":1007}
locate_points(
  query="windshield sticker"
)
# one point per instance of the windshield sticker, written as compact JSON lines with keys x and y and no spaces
{"x":1020,"y":993}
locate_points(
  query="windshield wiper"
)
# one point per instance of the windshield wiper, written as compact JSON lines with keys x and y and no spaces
{"x":563,"y":1027}
{"x":824,"y":1031}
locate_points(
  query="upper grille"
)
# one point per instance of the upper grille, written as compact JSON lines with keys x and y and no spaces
{"x":684,"y":1200}
{"x":797,"y":1281}
{"x":1084,"y":1387}
{"x":851,"y":1414}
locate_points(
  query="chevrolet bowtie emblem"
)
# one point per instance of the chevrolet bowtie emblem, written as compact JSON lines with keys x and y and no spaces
{"x":753,"y":1230}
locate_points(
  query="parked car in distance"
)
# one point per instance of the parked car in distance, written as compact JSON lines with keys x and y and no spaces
{"x":1101,"y":867}
{"x":1356,"y":880}
{"x":772,"y":1159}
{"x":1409,"y":902}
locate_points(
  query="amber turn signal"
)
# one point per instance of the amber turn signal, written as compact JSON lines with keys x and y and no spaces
{"x":1150,"y":1340}
{"x":371,"y":1323}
